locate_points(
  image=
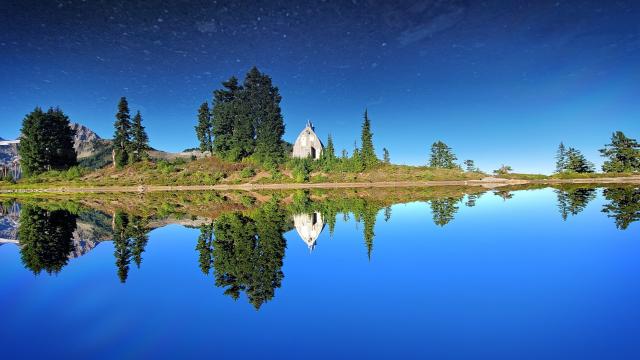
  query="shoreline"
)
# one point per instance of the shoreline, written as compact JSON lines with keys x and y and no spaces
{"x":486,"y":183}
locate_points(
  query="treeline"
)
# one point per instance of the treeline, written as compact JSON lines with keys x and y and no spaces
{"x":622,"y":155}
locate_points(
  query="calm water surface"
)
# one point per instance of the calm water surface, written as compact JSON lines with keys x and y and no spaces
{"x":533,"y":274}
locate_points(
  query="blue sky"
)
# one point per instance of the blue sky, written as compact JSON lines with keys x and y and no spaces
{"x":501,"y":82}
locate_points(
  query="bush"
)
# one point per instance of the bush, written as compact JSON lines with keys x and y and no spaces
{"x":247,"y":172}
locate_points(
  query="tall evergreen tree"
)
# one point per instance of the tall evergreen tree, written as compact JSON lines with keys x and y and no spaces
{"x":576,"y":162}
{"x":139,"y":140}
{"x":442,"y":156}
{"x":385,"y":156}
{"x":232,"y":132}
{"x":470,"y":165}
{"x":561,"y":159}
{"x":46,"y":142}
{"x":262,"y":100}
{"x":204,"y":128}
{"x":122,"y":136}
{"x":329,"y":152}
{"x":623,"y":154}
{"x":369,"y":158}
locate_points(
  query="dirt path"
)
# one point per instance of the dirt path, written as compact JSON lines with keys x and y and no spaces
{"x":487,"y":182}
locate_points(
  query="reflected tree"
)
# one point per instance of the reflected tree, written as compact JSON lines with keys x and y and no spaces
{"x":45,"y":238}
{"x":248,"y":253}
{"x":205,"y":248}
{"x":444,"y":210}
{"x":574,"y":201}
{"x":505,"y":195}
{"x":387,"y":213}
{"x":129,"y":241}
{"x":472,"y":199}
{"x":623,"y":206}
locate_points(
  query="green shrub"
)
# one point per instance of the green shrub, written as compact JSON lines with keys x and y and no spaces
{"x":247,"y":172}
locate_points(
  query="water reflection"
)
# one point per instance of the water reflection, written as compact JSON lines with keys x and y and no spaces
{"x":241,"y":244}
{"x":45,"y":238}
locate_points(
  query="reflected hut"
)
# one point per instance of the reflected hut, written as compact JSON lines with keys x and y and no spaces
{"x":309,"y":227}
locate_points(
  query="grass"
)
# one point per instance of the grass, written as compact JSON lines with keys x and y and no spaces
{"x":214,"y":171}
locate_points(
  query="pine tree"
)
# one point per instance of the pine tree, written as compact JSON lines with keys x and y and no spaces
{"x":262,"y":99}
{"x":368,"y":153}
{"x":576,"y":162}
{"x":442,"y":156}
{"x":139,"y":140}
{"x":46,"y":142}
{"x":623,"y":154}
{"x":204,"y":128}
{"x":122,"y":136}
{"x":329,"y":152}
{"x":561,"y":159}
{"x":385,"y":156}
{"x":232,"y":132}
{"x":470,"y":165}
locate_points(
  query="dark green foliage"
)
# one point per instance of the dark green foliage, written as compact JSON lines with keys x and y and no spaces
{"x":577,"y":163}
{"x":129,"y":241}
{"x":46,"y":142}
{"x":45,"y":238}
{"x":572,"y":201}
{"x":561,"y":159}
{"x":122,"y":135}
{"x":387,"y":213}
{"x":262,"y":100}
{"x":623,"y":154}
{"x":385,"y":156}
{"x":470,"y":165}
{"x":472,"y":199}
{"x":139,"y":141}
{"x":204,"y":128}
{"x":247,"y":120}
{"x":442,"y":157}
{"x":444,"y":210}
{"x":623,"y":206}
{"x":205,"y":248}
{"x":248,"y":253}
{"x":369,"y":158}
{"x":329,"y":152}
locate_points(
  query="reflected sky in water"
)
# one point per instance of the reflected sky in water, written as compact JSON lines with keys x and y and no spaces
{"x":502,"y":279}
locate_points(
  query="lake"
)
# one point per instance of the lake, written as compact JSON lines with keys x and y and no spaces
{"x":509,"y":273}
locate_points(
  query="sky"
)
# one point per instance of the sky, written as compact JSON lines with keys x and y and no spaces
{"x":501,"y":82}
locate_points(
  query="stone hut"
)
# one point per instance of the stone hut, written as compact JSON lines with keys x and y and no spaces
{"x":309,"y":227}
{"x":307,"y":144}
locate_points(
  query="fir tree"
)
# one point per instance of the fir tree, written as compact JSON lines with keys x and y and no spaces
{"x":204,"y":128}
{"x":576,"y":162}
{"x":262,"y":100}
{"x":329,"y":153}
{"x":561,"y":159}
{"x":139,"y":140}
{"x":442,"y":156}
{"x":46,"y":142}
{"x":623,"y":154}
{"x":470,"y":165}
{"x":385,"y":156}
{"x":368,"y":153}
{"x":122,"y":136}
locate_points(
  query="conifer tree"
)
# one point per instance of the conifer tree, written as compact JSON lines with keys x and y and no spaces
{"x":576,"y":162}
{"x":470,"y":165}
{"x":623,"y":154}
{"x":46,"y":142}
{"x":262,"y":100}
{"x":561,"y":159}
{"x":122,"y":136}
{"x":204,"y":128}
{"x":232,"y":132}
{"x":442,"y":156}
{"x":329,"y":152}
{"x":368,"y":153}
{"x":139,"y":140}
{"x":385,"y":156}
